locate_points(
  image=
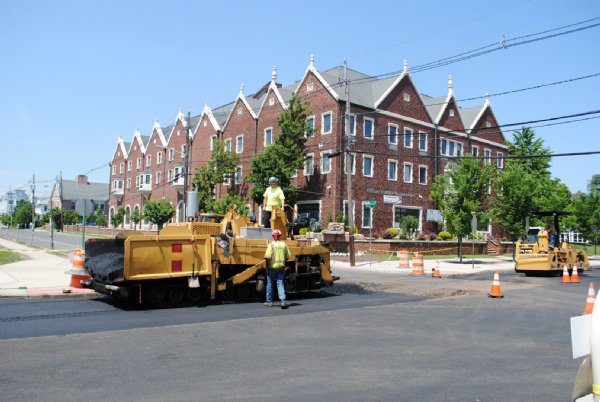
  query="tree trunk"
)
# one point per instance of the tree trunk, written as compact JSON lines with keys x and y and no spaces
{"x":460,"y":253}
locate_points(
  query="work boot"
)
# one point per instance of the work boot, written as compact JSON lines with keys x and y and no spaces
{"x":268,"y":304}
{"x":284,"y":305}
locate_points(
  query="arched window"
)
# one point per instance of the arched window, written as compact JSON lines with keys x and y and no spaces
{"x":127,"y":215}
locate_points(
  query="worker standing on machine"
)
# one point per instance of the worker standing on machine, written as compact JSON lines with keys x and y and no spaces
{"x":273,"y":195}
{"x":276,"y":255}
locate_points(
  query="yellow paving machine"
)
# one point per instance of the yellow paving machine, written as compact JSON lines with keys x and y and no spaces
{"x":209,"y":258}
{"x":542,"y":252}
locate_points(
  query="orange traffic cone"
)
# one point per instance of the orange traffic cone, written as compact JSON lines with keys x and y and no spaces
{"x":495,"y":292}
{"x":591,"y":299}
{"x":436,"y":271}
{"x":77,"y":271}
{"x":565,"y":277}
{"x":418,"y":267}
{"x":575,"y":275}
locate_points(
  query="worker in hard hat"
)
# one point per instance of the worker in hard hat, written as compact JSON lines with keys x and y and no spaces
{"x":276,"y":255}
{"x":273,"y":195}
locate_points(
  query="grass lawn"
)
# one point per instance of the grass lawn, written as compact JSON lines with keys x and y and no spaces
{"x":6,"y":257}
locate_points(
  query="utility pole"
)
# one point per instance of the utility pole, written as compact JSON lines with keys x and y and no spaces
{"x":33,"y":203}
{"x":351,"y":250}
{"x":185,"y":166}
{"x":51,"y":225}
{"x":60,"y":198}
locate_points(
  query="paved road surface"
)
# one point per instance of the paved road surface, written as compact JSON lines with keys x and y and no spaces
{"x":360,"y":345}
{"x":41,"y":238}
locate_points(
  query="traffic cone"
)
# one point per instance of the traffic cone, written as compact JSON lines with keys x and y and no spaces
{"x":575,"y":275}
{"x":77,"y":271}
{"x":495,"y":292}
{"x":436,"y":271}
{"x":591,"y":299}
{"x":565,"y":276}
{"x":418,"y":267}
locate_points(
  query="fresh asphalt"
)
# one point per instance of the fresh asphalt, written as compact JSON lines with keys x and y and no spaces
{"x":360,"y":345}
{"x":40,"y":238}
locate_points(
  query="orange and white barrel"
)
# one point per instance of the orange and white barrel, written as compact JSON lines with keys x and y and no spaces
{"x":418,"y":266}
{"x":403,"y":257}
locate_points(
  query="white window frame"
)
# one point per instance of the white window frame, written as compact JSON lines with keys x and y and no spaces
{"x":121,"y":167}
{"x":451,"y":112}
{"x":365,"y":119}
{"x":227,"y":145}
{"x":406,"y":97}
{"x":239,"y":176}
{"x":330,"y":114}
{"x":183,"y":151}
{"x":239,"y":110}
{"x":499,"y":160}
{"x":425,"y":176}
{"x":345,"y":206}
{"x":271,"y":101}
{"x":312,"y":129}
{"x":114,"y":170}
{"x":171,"y":154}
{"x":362,"y":221}
{"x":351,"y":129}
{"x":488,"y":124}
{"x":159,"y":155}
{"x":213,"y":140}
{"x":388,"y":169}
{"x":170,"y":176}
{"x":129,"y":183}
{"x":475,"y":151}
{"x":404,"y":166}
{"x":307,"y":171}
{"x":148,"y":160}
{"x":129,"y":165}
{"x":421,"y":133}
{"x":138,"y":163}
{"x":459,"y":149}
{"x":227,"y":179}
{"x":410,"y":145}
{"x":487,"y":156}
{"x":323,"y":157}
{"x":158,"y":177}
{"x":310,"y":87}
{"x":390,"y":125}
{"x":265,"y":136}
{"x":372,"y":159}
{"x":239,"y":146}
{"x":352,"y":155}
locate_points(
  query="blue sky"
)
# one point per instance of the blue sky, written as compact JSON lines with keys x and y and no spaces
{"x":76,"y":75}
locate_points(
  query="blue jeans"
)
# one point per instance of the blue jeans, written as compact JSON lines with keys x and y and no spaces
{"x":272,"y":276}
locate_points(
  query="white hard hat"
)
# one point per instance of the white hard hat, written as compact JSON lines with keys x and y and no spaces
{"x":273,"y":180}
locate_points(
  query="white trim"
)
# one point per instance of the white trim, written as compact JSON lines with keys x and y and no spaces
{"x":411,"y":138}
{"x":321,"y":163}
{"x":272,"y":88}
{"x":372,"y":158}
{"x":235,"y":175}
{"x":344,"y":203}
{"x":121,"y":144}
{"x":352,"y":115}
{"x":225,"y":142}
{"x":207,"y":111}
{"x":265,"y":136}
{"x":412,"y":172}
{"x":387,"y":172}
{"x":240,"y":98}
{"x":487,"y":159}
{"x":372,"y":128}
{"x":390,"y":89}
{"x":499,"y":160}
{"x":312,"y":157}
{"x":420,"y":209}
{"x":474,"y":147}
{"x":388,"y":134}
{"x":303,"y":202}
{"x":362,"y":215}
{"x":239,"y":151}
{"x":314,"y":125}
{"x":330,"y":113}
{"x":426,"y":140}
{"x":480,"y":114}
{"x":352,"y":156}
{"x":312,"y":69}
{"x":426,"y":173}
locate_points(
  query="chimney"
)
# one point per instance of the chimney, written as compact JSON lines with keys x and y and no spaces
{"x":82,"y":179}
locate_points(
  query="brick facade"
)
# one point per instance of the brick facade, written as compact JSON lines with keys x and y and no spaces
{"x":428,"y":134}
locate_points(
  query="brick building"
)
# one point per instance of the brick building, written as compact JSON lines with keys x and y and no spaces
{"x":401,"y":139}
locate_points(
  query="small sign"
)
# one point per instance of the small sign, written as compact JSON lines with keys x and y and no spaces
{"x":371,"y":204}
{"x":392,"y":199}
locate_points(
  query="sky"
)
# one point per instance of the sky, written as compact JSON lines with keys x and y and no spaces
{"x":76,"y":75}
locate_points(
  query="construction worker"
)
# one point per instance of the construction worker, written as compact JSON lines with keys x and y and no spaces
{"x":273,"y":195}
{"x":276,"y":255}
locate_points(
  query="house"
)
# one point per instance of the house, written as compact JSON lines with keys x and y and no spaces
{"x":400,"y":140}
{"x":79,"y":195}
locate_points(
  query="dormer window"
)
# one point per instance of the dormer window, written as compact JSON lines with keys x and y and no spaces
{"x":406,"y":97}
{"x":488,"y":124}
{"x":271,"y":101}
{"x":451,"y":112}
{"x":310,"y":87}
{"x":239,"y":110}
{"x":205,"y":123}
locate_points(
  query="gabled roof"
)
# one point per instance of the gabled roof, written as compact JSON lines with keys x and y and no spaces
{"x":250,"y":104}
{"x":222,"y":113}
{"x":435,"y":106}
{"x":156,"y":128}
{"x":311,"y":69}
{"x":472,"y":115}
{"x":141,"y":141}
{"x":278,"y":94}
{"x":124,"y":146}
{"x":91,"y":191}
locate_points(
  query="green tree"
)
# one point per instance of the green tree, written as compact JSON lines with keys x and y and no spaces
{"x":285,"y":156}
{"x":594,"y":184}
{"x":223,"y":205}
{"x":221,"y":163}
{"x":136,"y":217}
{"x":461,"y":191}
{"x":100,"y":217}
{"x":409,"y":225}
{"x":5,"y":219}
{"x":158,"y":212}
{"x":532,"y":150}
{"x":23,"y":213}
{"x":70,"y":217}
{"x":116,"y":219}
{"x":587,"y":215}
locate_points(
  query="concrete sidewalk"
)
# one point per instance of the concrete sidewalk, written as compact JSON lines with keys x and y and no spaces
{"x":39,"y":274}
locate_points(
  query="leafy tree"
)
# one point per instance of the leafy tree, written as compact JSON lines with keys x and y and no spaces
{"x":136,"y":217}
{"x":220,"y":164}
{"x":23,"y":213}
{"x":100,"y":217}
{"x":461,"y":191}
{"x":587,"y":215}
{"x":116,"y":220}
{"x":5,"y":219}
{"x":409,"y":225}
{"x":594,"y":184}
{"x":70,"y":216}
{"x":285,"y":156}
{"x":222,"y":206}
{"x":532,"y":149}
{"x":158,"y":212}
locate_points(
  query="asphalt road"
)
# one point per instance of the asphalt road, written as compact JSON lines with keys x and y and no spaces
{"x":41,"y":238}
{"x":410,"y":342}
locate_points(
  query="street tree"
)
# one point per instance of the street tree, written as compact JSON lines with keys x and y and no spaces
{"x":586,"y":210}
{"x":158,"y":212}
{"x":223,"y":205}
{"x":535,"y":156}
{"x":116,"y":219}
{"x":23,"y":213}
{"x":100,"y":217}
{"x":285,"y":156}
{"x":594,"y":184}
{"x":462,"y":190}
{"x":222,"y":163}
{"x":136,"y":217}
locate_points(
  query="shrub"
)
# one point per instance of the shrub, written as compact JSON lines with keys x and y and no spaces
{"x":390,"y":233}
{"x":409,"y":225}
{"x":303,"y":231}
{"x":444,"y":236}
{"x":315,"y":226}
